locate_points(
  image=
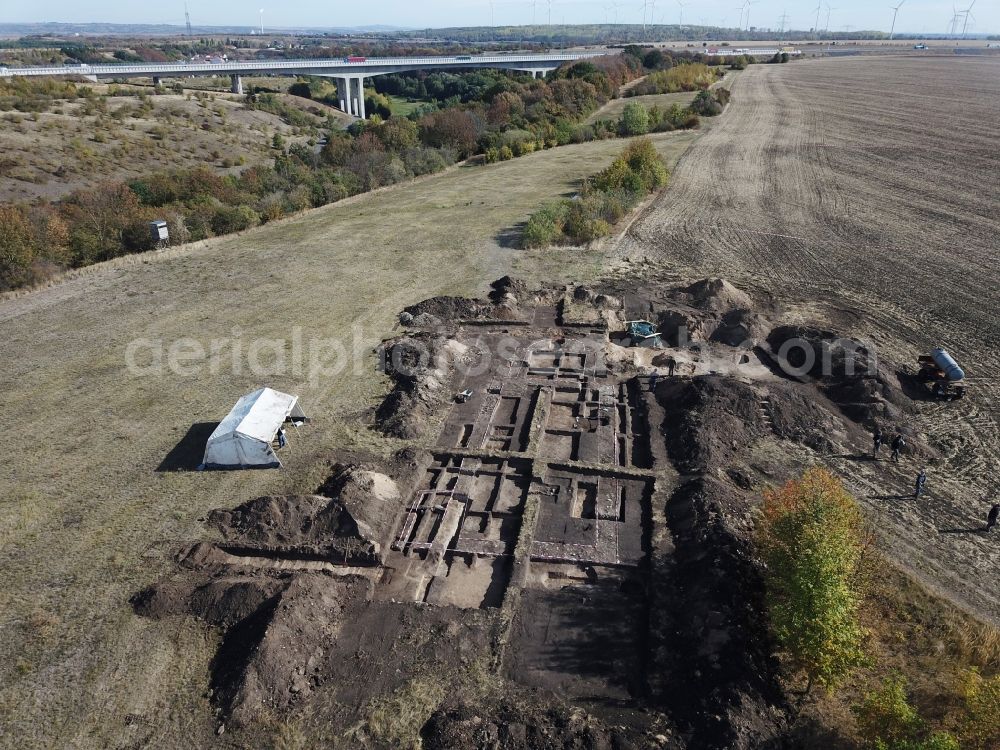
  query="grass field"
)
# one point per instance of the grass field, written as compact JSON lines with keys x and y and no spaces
{"x":401,"y":107}
{"x":86,"y":519}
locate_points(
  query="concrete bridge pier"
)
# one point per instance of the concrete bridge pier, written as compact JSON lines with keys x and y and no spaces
{"x":343,"y":93}
{"x":156,"y":82}
{"x":351,"y":95}
{"x":358,"y":87}
{"x":237,"y":81}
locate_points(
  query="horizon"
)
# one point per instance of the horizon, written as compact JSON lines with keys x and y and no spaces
{"x":914,"y":17}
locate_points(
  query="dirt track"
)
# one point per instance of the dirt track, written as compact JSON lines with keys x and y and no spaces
{"x":869,"y":186}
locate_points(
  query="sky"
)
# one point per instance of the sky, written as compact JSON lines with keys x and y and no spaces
{"x":844,"y":15}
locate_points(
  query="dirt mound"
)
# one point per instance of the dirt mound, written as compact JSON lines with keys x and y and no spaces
{"x":709,"y":310}
{"x":716,"y":295}
{"x":222,"y":602}
{"x":846,"y":370}
{"x":722,"y":683}
{"x":711,"y":420}
{"x":738,"y":327}
{"x":278,"y":637}
{"x":278,"y":655}
{"x":503,"y":303}
{"x":531,"y":722}
{"x":509,"y":292}
{"x":709,"y":640}
{"x":422,"y":368}
{"x":371,"y":498}
{"x":438,"y":310}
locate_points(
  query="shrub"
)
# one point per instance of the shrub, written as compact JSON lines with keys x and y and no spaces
{"x":16,"y":247}
{"x":229,"y":219}
{"x":885,"y":717}
{"x":420,"y":160}
{"x":582,"y":223}
{"x":981,"y":698}
{"x":635,"y":119}
{"x":545,"y":226}
{"x":644,"y":160}
{"x":887,"y":721}
{"x":603,"y":200}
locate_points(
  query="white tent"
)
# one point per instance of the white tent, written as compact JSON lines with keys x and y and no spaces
{"x":243,"y":439}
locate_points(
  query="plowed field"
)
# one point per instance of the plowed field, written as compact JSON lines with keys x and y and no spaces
{"x":870,"y":187}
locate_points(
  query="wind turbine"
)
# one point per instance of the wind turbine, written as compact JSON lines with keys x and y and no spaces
{"x":895,"y":11}
{"x":681,"y":6}
{"x":968,"y":12}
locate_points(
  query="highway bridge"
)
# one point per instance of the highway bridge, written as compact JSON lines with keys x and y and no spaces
{"x":349,"y":72}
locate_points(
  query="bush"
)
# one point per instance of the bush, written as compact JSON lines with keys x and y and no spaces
{"x":583,"y":224}
{"x":885,"y":717}
{"x":887,"y":721}
{"x":981,"y":698}
{"x":545,"y":226}
{"x":635,"y":119}
{"x":229,"y":219}
{"x":420,"y":160}
{"x":706,"y":104}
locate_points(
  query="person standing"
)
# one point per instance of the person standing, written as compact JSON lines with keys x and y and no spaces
{"x":991,"y":518}
{"x":897,"y":445}
{"x":876,"y":443}
{"x":921,"y":481}
{"x":282,"y":440}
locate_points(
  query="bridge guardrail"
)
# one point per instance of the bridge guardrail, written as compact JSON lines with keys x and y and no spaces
{"x":244,"y":66}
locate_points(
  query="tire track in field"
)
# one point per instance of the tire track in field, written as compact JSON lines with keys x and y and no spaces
{"x":871,"y":185}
